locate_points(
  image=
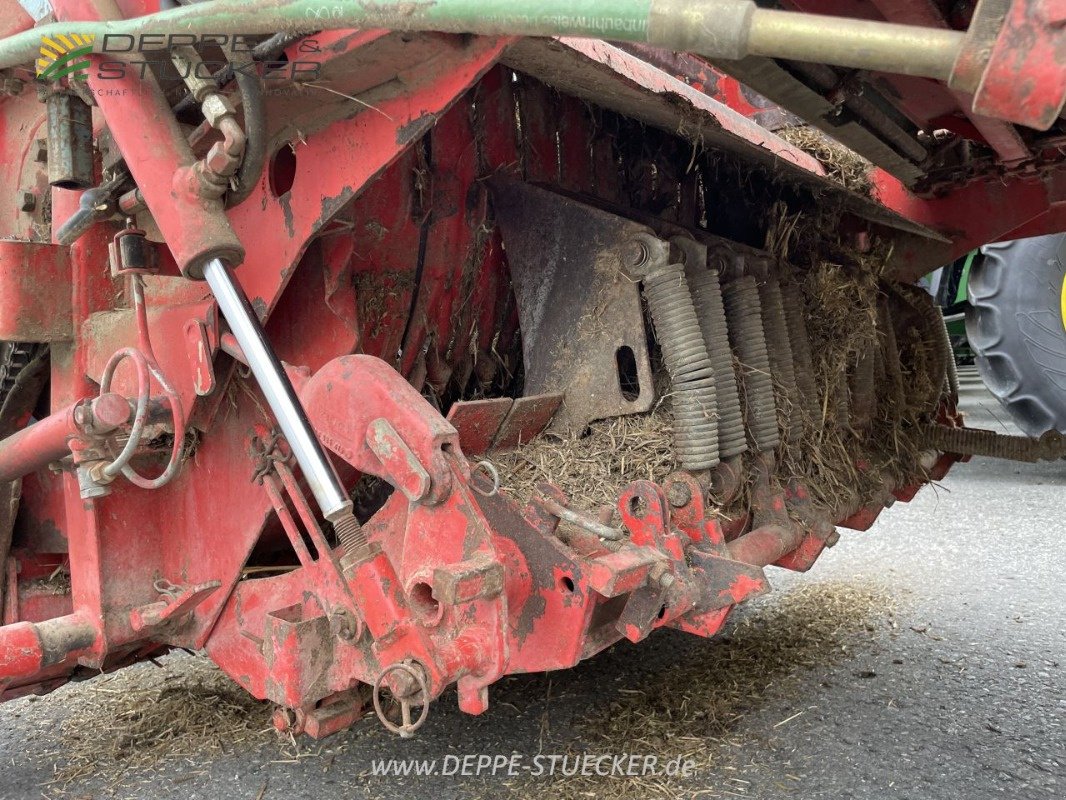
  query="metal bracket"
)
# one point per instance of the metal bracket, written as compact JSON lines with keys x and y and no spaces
{"x":582,"y":325}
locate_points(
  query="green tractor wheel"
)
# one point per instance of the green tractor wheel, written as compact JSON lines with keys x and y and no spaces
{"x":1015,"y":326}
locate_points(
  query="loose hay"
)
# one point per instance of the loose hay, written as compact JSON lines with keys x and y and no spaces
{"x":694,"y":710}
{"x":842,"y":164}
{"x":592,"y":468}
{"x":146,"y":717}
{"x":845,"y":464}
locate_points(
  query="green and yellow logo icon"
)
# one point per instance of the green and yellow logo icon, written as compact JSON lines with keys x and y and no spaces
{"x":65,"y":54}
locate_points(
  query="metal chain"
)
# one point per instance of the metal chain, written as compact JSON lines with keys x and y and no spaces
{"x":14,"y":357}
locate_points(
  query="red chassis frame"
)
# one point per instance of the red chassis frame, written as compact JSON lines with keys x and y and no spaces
{"x":461,"y":585}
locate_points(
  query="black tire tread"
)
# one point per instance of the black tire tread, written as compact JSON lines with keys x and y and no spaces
{"x":1015,"y":329}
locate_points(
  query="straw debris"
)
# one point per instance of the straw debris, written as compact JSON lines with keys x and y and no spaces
{"x":145,"y":717}
{"x":592,"y":468}
{"x":695,"y":710}
{"x":842,"y":164}
{"x":846,"y":454}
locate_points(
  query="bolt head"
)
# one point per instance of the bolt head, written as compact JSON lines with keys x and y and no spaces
{"x":40,"y":150}
{"x":219,"y":162}
{"x":634,"y":254}
{"x":679,"y":494}
{"x":342,"y":625}
{"x":29,"y":201}
{"x":109,"y":411}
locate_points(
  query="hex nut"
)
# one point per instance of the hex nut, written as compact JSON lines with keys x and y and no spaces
{"x":219,"y":162}
{"x":215,"y":107}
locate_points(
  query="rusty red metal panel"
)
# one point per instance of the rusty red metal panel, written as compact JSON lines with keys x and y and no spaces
{"x":527,"y":418}
{"x":35,"y":292}
{"x":478,"y":422}
{"x":1025,"y":78}
{"x":450,"y":247}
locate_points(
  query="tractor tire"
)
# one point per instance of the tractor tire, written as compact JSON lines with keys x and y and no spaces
{"x":1016,"y":329}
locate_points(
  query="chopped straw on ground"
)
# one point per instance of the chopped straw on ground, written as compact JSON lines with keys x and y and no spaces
{"x":145,"y":717}
{"x":694,"y":709}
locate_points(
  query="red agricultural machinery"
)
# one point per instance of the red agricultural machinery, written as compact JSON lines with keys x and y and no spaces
{"x":292,"y":292}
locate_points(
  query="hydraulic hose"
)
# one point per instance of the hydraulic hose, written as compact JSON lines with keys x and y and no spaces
{"x":728,"y":29}
{"x":253,"y":104}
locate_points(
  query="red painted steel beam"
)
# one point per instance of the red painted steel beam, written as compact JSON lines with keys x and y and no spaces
{"x":766,"y":545}
{"x":26,"y":648}
{"x":158,"y":155}
{"x":974,"y":214}
{"x":33,"y":448}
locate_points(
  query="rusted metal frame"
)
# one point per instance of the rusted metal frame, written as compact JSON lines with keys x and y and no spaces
{"x":35,"y":589}
{"x":413,"y":545}
{"x":706,"y":78}
{"x":730,"y":121}
{"x":316,"y":318}
{"x":971,"y":215}
{"x":606,"y":182}
{"x":386,"y":247}
{"x":497,"y":151}
{"x":333,"y":168}
{"x":536,"y":104}
{"x":35,"y":292}
{"x":616,"y":80}
{"x":23,"y":174}
{"x":454,"y":216}
{"x":1001,"y":136}
{"x":575,"y":142}
{"x":1024,"y":79}
{"x":322,"y":571}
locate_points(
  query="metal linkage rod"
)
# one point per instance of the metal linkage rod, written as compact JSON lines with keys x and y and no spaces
{"x":332,"y":500}
{"x":714,"y":28}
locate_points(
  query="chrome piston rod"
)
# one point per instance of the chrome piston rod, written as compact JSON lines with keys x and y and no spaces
{"x":332,"y":500}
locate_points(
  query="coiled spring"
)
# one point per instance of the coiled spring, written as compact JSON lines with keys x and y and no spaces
{"x":678,"y":332}
{"x":742,"y":309}
{"x":707,"y":296}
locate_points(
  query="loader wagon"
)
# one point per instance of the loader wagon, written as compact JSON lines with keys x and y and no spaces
{"x":379,"y":347}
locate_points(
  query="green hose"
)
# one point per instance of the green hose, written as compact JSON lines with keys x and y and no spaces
{"x":727,"y":29}
{"x":605,"y":19}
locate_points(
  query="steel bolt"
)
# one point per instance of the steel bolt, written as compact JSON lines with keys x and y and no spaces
{"x":634,"y":254}
{"x":109,"y":411}
{"x":679,"y":494}
{"x":40,"y":150}
{"x":29,"y":201}
{"x":342,"y":625}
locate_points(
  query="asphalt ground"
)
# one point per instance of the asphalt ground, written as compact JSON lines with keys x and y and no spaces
{"x":921,"y":659}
